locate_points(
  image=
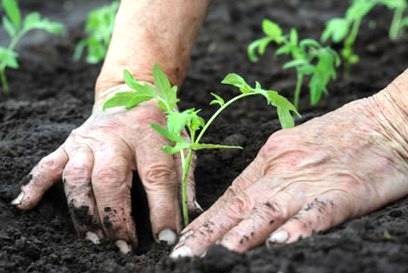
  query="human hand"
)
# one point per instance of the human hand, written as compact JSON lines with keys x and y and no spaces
{"x":312,"y":177}
{"x":97,"y":162}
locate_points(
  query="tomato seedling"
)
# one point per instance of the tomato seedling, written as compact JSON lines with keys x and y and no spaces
{"x":98,"y":28}
{"x":189,"y":120}
{"x":16,"y":27}
{"x":308,"y":58}
{"x":346,"y":29}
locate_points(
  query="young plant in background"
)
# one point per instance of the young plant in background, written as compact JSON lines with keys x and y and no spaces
{"x":16,"y":27}
{"x":346,"y":29}
{"x":399,"y":22}
{"x":98,"y":28}
{"x":308,"y":57}
{"x":177,"y":122}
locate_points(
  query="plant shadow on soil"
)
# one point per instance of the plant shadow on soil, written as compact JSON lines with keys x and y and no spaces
{"x":51,"y":95}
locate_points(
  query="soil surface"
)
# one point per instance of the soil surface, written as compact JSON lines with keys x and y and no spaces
{"x":51,"y":95}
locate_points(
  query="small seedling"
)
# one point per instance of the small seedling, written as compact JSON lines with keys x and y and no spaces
{"x":16,"y":27}
{"x":177,"y":122}
{"x":346,"y":29}
{"x":308,"y":58}
{"x":98,"y":27}
{"x":399,"y":22}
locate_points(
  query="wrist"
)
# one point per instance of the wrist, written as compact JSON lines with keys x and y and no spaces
{"x":390,"y":109}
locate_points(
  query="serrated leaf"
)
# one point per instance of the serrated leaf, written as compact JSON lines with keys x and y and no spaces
{"x":336,"y":30}
{"x":176,"y":148}
{"x":164,"y":132}
{"x":309,"y":43}
{"x":295,"y":63}
{"x":196,"y":121}
{"x":205,"y":146}
{"x":258,"y":48}
{"x":8,"y":58}
{"x":284,"y":108}
{"x":166,"y":91}
{"x":127,"y":99}
{"x":12,"y":11}
{"x":237,"y":81}
{"x":218,"y":100}
{"x":293,"y":37}
{"x":9,"y":28}
{"x":35,"y":21}
{"x":272,"y":30}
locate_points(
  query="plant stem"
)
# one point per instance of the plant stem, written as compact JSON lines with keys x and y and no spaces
{"x":298,"y":89}
{"x":186,"y":165}
{"x":218,"y":112}
{"x":348,"y":45}
{"x":4,"y":83}
{"x":396,"y":23}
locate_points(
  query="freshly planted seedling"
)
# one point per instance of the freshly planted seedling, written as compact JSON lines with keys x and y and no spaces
{"x":16,"y":27}
{"x":346,"y":29}
{"x":399,"y":22}
{"x":308,"y":57}
{"x":189,"y":120}
{"x":98,"y":28}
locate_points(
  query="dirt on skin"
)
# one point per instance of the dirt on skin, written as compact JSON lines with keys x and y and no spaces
{"x":51,"y":95}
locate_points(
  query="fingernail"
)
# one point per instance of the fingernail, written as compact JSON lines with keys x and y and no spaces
{"x":181,"y":252}
{"x":167,"y":235}
{"x":18,"y":200}
{"x":278,"y":237}
{"x":91,"y":236}
{"x":123,"y":246}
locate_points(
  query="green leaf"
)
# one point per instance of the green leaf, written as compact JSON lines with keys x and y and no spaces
{"x":12,"y":11}
{"x":196,"y":121}
{"x":293,"y":37}
{"x":237,"y":81}
{"x":283,"y":50}
{"x":176,"y":148}
{"x":218,"y":100}
{"x":284,"y":108}
{"x":8,"y":58}
{"x":336,"y":30}
{"x":164,"y":132}
{"x":258,"y":48}
{"x":295,"y":63}
{"x":166,"y":91}
{"x":177,"y":121}
{"x":272,"y":30}
{"x":324,"y":72}
{"x":35,"y":21}
{"x":9,"y":28}
{"x":127,"y":99}
{"x":205,"y":146}
{"x":306,"y":43}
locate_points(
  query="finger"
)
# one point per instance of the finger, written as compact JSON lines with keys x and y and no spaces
{"x":318,"y":215}
{"x":195,"y":242}
{"x":265,"y":218}
{"x":158,"y":173}
{"x":78,"y":190}
{"x":45,"y":174}
{"x":252,"y":173}
{"x":111,"y":183}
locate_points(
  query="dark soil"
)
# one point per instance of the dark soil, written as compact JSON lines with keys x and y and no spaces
{"x":51,"y":95}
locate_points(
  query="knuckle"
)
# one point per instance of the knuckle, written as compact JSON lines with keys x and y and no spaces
{"x":159,"y":174}
{"x":108,"y":175}
{"x":275,"y":210}
{"x":49,"y":163}
{"x":147,"y":115}
{"x":240,"y":206}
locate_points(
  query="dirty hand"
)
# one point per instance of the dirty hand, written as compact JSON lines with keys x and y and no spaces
{"x":312,"y":177}
{"x":96,"y":163}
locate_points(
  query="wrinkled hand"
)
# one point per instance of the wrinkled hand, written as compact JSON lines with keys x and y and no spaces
{"x":310,"y":178}
{"x":97,"y":162}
